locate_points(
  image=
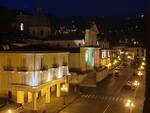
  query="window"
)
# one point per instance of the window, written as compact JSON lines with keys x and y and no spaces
{"x":21,"y":26}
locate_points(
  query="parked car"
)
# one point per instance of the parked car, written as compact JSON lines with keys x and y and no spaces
{"x":116,"y":73}
{"x":129,"y":86}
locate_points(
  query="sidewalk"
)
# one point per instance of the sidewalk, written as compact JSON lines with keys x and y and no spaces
{"x":56,"y":105}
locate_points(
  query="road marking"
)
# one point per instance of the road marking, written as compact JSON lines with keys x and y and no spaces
{"x":88,"y":96}
{"x":106,"y":108}
{"x":99,"y":98}
{"x":121,"y":99}
{"x":109,"y":98}
{"x":117,"y":98}
{"x":113,"y":98}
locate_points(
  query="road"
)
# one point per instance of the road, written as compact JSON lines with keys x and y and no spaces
{"x":109,"y":96}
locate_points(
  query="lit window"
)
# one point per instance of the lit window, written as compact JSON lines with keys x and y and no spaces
{"x":21,"y":26}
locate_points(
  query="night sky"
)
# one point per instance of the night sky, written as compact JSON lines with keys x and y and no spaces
{"x":81,"y":7}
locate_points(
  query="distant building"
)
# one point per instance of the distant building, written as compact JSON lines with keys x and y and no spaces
{"x":136,"y":52}
{"x":37,"y":25}
{"x":105,"y":52}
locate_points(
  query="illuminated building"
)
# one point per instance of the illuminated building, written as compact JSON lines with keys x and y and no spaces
{"x":105,"y":57}
{"x":27,"y":75}
{"x":86,"y":58}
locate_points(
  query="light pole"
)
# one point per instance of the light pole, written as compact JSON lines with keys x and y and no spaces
{"x":64,"y":89}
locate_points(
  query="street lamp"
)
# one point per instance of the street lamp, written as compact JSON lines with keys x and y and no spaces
{"x":129,"y":104}
{"x":64,"y":89}
{"x":9,"y":111}
{"x":143,"y":63}
{"x":141,"y":67}
{"x":140,"y":73}
{"x":115,"y":61}
{"x":109,"y":65}
{"x":136,"y":83}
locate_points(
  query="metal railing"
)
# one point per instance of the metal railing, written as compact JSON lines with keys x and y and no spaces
{"x":8,"y":68}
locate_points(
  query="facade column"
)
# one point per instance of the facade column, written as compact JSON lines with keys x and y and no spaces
{"x":29,"y":97}
{"x":58,"y":90}
{"x":34,"y":100}
{"x":43,"y":91}
{"x":47,"y":96}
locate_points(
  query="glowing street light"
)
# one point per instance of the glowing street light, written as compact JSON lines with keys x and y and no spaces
{"x":126,"y":53}
{"x":109,"y":65}
{"x":115,"y":61}
{"x":141,"y":67}
{"x":143,"y":63}
{"x":140,"y":73}
{"x":129,"y":57}
{"x":136,"y":83}
{"x":64,"y":88}
{"x":9,"y":111}
{"x":129,"y":104}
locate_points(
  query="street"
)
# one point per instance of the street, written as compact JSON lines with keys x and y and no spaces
{"x":110,"y":96}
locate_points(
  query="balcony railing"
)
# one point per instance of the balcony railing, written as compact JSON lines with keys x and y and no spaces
{"x":65,"y":63}
{"x":55,"y":66}
{"x":8,"y":68}
{"x":22,"y":69}
{"x":44,"y":68}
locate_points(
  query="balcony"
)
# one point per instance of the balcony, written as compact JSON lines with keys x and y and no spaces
{"x":22,"y":69}
{"x":44,"y":68}
{"x":55,"y":66}
{"x":8,"y":68}
{"x":65,"y":64}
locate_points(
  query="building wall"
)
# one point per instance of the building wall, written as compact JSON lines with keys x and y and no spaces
{"x":87,"y":59}
{"x":29,"y":69}
{"x":74,"y":60}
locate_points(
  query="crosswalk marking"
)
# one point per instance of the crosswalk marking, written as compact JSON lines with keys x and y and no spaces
{"x":106,"y":98}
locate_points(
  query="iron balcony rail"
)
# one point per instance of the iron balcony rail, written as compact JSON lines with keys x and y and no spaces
{"x":44,"y":68}
{"x":22,"y":68}
{"x":8,"y":68}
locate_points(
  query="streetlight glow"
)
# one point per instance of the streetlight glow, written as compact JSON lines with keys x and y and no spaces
{"x":143,"y":63}
{"x":9,"y":111}
{"x":140,"y":73}
{"x":136,"y":83}
{"x":129,"y":103}
{"x":142,"y":67}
